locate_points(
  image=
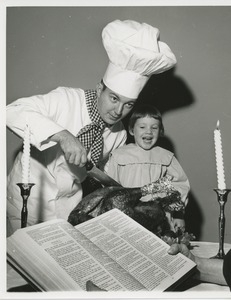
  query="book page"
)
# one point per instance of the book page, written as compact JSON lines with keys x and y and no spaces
{"x":27,"y":249}
{"x":38,"y":247}
{"x":136,"y":249}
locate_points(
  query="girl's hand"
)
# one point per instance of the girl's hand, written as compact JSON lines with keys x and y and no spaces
{"x":178,"y":224}
{"x":181,"y":248}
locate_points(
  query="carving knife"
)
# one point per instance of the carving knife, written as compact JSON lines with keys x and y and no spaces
{"x":103,"y":178}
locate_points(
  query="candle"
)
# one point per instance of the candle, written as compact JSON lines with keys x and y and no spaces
{"x":26,"y":156}
{"x":219,"y":158}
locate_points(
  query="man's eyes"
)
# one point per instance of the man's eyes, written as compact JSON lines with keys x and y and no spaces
{"x":129,"y":105}
{"x":113,"y":99}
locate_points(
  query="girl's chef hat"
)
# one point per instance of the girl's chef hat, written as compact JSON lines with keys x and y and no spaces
{"x":135,"y":53}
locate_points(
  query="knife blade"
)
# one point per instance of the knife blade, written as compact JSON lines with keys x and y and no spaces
{"x":100,"y":176}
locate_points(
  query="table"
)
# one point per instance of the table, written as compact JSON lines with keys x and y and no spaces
{"x":207,"y":250}
{"x":16,"y":283}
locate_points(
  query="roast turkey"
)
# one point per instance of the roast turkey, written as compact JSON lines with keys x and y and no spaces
{"x":151,"y":214}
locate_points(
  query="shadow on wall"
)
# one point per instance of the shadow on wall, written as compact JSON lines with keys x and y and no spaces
{"x":168,"y":92}
{"x":165,"y":91}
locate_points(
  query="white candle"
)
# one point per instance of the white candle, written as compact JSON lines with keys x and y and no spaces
{"x":219,"y":158}
{"x":26,"y":156}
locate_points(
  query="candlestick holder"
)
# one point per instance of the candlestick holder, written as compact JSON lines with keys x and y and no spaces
{"x":25,"y":189}
{"x":222,"y":196}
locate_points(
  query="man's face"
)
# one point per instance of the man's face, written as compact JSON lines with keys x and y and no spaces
{"x":112,"y":106}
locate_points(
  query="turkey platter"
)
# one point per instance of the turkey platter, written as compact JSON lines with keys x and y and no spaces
{"x":150,"y":214}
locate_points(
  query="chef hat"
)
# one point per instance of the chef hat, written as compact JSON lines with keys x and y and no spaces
{"x":135,"y":53}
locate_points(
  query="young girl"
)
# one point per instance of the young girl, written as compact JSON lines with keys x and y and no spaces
{"x":135,"y":165}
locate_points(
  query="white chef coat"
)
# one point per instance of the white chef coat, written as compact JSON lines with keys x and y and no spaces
{"x":57,"y":188}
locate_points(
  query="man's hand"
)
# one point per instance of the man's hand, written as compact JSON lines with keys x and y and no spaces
{"x":181,"y":248}
{"x":73,"y":150}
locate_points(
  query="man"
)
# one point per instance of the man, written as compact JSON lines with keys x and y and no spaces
{"x":69,"y":126}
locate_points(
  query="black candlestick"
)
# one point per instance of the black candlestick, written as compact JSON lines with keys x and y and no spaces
{"x":25,"y":193}
{"x":222,"y":198}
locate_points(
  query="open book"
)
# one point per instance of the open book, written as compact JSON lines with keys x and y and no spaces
{"x":112,"y":250}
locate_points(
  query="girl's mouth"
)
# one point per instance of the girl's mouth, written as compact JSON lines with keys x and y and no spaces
{"x":147,"y":139}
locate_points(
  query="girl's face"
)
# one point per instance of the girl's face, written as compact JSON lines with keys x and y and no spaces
{"x":146,"y":132}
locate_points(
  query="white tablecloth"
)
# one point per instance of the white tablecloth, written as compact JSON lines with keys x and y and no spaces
{"x":208,"y":250}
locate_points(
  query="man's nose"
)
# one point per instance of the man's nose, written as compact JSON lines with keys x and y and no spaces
{"x":119,"y":109}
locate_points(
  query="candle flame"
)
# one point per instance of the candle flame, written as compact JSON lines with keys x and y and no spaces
{"x":218,"y":124}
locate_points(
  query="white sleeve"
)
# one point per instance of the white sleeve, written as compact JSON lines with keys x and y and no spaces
{"x":44,"y":114}
{"x":180,"y":180}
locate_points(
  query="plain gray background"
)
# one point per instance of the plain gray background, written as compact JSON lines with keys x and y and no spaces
{"x":49,"y":47}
